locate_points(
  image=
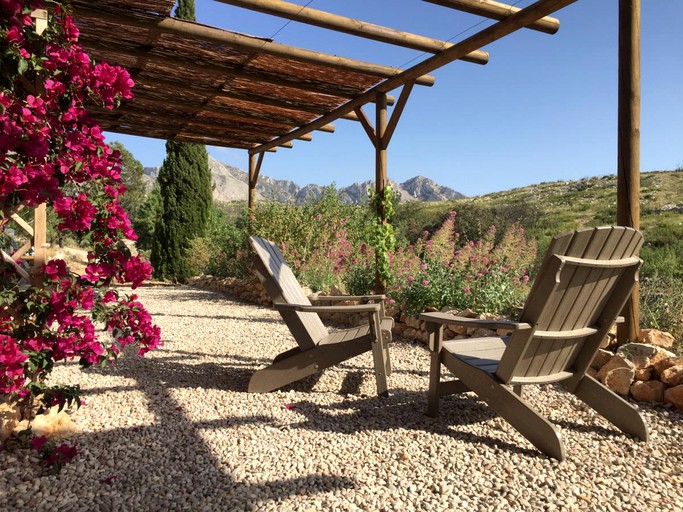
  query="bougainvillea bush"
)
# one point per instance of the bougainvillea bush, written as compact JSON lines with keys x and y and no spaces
{"x":52,"y":152}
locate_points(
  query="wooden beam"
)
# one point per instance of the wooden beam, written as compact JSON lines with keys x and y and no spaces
{"x":490,"y":34}
{"x":628,"y":144}
{"x":351,"y":26}
{"x":192,"y":30}
{"x":396,"y":114}
{"x":366,"y":124}
{"x":497,"y":11}
{"x":254,"y":170}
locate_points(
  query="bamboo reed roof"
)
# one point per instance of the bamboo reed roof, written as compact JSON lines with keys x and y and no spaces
{"x":196,"y":83}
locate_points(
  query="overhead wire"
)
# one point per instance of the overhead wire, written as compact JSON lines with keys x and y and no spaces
{"x":453,"y":37}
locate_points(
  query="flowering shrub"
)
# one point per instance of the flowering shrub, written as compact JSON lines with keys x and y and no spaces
{"x":440,"y":271}
{"x":319,"y":239}
{"x":54,"y":456}
{"x":51,"y":152}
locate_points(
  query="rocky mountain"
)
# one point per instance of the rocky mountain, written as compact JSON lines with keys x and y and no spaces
{"x":230,"y":184}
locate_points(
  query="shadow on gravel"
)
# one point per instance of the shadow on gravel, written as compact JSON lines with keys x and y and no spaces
{"x":404,"y":409}
{"x":132,"y":472}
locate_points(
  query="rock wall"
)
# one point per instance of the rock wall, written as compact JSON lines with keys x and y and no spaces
{"x":646,"y":371}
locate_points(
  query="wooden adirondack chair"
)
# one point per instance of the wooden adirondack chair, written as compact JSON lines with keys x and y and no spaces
{"x":583,"y":284}
{"x":317,"y":348}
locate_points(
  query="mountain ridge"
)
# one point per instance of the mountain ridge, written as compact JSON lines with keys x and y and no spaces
{"x":230,"y":184}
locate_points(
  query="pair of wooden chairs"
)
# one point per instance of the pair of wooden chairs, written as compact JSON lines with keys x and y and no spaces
{"x":584,"y":282}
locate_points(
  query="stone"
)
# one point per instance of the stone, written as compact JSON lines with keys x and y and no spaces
{"x":448,"y":334}
{"x":672,"y":376}
{"x":458,"y":329}
{"x":619,"y":380}
{"x":651,"y":391}
{"x":482,"y":333}
{"x":674,"y":396}
{"x":665,"y":363}
{"x":614,"y":363}
{"x":55,"y":424}
{"x":609,"y":341}
{"x":643,"y":374}
{"x":409,"y":333}
{"x":413,"y":322}
{"x":601,"y":358}
{"x":657,"y":337}
{"x":640,"y":354}
{"x":9,"y":419}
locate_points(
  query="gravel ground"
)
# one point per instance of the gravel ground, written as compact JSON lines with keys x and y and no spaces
{"x":176,"y":430}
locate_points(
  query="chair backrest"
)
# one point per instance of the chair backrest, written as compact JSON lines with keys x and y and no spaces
{"x":283,"y":288}
{"x":583,"y":284}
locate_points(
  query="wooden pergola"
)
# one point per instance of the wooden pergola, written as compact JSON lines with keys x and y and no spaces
{"x":201,"y":84}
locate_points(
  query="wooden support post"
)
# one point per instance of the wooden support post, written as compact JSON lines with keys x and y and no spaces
{"x":628,"y":145}
{"x":39,"y":243}
{"x":40,"y":213}
{"x":381,"y":147}
{"x":380,"y":167}
{"x":254,"y":169}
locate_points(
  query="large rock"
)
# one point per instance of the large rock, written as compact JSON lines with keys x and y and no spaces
{"x":656,"y":337}
{"x":55,"y":424}
{"x":9,"y":419}
{"x":651,"y":391}
{"x":619,"y":380}
{"x":642,"y":355}
{"x":601,"y":358}
{"x":643,"y":374}
{"x":668,"y":362}
{"x":613,"y":364}
{"x":672,"y":376}
{"x":674,"y":396}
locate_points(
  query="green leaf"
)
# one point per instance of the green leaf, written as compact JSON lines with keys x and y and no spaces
{"x":23,"y":66}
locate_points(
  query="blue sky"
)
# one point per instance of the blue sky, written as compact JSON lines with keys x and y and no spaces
{"x":543,"y":109}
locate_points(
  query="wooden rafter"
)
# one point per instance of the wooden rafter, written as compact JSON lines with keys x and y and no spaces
{"x":488,"y":35}
{"x":498,"y":11}
{"x":351,"y":26}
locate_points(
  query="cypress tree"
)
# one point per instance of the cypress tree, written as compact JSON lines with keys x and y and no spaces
{"x":185,"y":10}
{"x":186,"y":197}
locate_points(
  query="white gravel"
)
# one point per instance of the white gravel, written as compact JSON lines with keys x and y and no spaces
{"x":177,"y":431}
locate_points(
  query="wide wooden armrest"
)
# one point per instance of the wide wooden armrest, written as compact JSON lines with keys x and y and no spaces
{"x":339,"y":298}
{"x":305,"y":308}
{"x":445,"y":318}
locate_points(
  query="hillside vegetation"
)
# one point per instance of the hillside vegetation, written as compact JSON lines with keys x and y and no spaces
{"x":547,"y":209}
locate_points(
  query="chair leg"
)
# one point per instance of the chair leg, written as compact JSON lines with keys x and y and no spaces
{"x":611,"y":406}
{"x":518,"y":413}
{"x":434,"y":382}
{"x":380,"y":356}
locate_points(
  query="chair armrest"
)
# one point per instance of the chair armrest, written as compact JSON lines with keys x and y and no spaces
{"x":445,"y":318}
{"x":339,"y":298}
{"x":305,"y":308}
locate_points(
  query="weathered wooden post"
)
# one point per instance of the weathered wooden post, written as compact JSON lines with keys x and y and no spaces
{"x":628,"y":145}
{"x":255,"y":161}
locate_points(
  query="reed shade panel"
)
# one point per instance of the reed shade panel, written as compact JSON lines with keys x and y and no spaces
{"x":201,"y":84}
